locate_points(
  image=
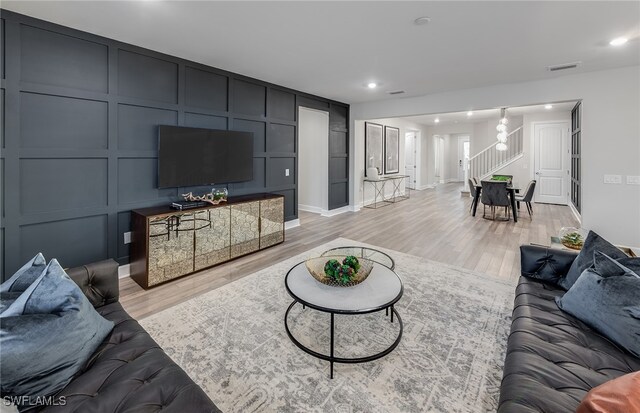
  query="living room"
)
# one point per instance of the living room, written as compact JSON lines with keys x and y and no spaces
{"x":238,"y":303}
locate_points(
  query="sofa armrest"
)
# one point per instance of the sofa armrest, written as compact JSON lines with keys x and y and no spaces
{"x":545,"y":264}
{"x":98,"y":281}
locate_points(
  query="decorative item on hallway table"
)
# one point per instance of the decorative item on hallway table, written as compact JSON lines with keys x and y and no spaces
{"x":571,"y":237}
{"x":339,"y":270}
{"x":215,"y":197}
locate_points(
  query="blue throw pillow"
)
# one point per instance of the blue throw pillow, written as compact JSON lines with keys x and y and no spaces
{"x":47,"y":334}
{"x":584,"y":260}
{"x":23,"y":278}
{"x":607,"y":298}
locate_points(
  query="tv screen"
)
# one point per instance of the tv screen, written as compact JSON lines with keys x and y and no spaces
{"x":194,"y":156}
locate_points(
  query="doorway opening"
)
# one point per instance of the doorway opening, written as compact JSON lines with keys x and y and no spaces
{"x":313,"y":168}
{"x":439,"y":159}
{"x":411,"y":159}
{"x":464,"y":149}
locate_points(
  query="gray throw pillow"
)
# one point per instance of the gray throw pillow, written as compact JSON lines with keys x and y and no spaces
{"x":584,"y":260}
{"x":48,"y":334}
{"x":607,"y":298}
{"x":23,"y":278}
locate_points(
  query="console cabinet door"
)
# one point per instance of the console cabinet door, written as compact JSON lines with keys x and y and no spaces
{"x":271,"y":222}
{"x":213,"y":237}
{"x":170,"y":247}
{"x":245,"y":228}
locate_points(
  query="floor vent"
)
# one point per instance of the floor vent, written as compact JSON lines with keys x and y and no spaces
{"x":564,"y":66}
{"x":396,"y":92}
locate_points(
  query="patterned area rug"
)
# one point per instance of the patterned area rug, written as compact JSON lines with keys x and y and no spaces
{"x":232,"y":342}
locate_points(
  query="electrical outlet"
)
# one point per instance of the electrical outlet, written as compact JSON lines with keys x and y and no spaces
{"x":286,"y":172}
{"x":633,"y":180}
{"x":613,"y":179}
{"x":127,"y":237}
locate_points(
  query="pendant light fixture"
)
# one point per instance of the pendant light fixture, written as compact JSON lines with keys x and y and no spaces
{"x":502,"y":131}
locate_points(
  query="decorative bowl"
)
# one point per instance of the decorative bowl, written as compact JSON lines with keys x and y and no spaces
{"x":316,"y":267}
{"x":572,"y":238}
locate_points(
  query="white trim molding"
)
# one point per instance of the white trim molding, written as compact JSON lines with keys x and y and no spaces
{"x":337,"y":211}
{"x":124,"y":271}
{"x":575,"y":212}
{"x":291,"y":224}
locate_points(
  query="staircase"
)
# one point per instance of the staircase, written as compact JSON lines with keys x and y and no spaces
{"x":491,"y":160}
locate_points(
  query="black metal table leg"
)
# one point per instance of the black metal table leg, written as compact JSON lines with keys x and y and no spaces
{"x":331,"y":362}
{"x":392,"y":314}
{"x":513,"y":205}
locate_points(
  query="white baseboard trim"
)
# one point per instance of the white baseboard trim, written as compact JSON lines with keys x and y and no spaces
{"x":309,"y":208}
{"x":124,"y":271}
{"x":423,"y":187}
{"x":325,"y":212}
{"x":337,"y":211}
{"x":575,"y":212}
{"x":291,"y":224}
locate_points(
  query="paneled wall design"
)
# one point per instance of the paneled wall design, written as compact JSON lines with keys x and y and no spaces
{"x":79,"y":137}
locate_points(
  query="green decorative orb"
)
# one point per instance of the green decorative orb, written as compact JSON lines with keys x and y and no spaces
{"x":332,"y":268}
{"x":352,"y":262}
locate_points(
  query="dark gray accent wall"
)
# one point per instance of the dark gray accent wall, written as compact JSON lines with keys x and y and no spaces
{"x":79,"y":125}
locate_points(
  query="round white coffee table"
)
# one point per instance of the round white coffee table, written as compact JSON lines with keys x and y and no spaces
{"x":380,"y":291}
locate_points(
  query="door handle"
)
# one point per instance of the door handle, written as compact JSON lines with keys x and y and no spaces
{"x":537,"y":173}
{"x":460,"y":162}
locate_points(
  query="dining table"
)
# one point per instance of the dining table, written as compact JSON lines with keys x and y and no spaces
{"x":512,"y":190}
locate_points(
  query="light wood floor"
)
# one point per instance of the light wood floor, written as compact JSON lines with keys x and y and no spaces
{"x":434,"y":224}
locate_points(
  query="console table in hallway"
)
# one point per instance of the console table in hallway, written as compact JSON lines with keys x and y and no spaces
{"x":379,"y":186}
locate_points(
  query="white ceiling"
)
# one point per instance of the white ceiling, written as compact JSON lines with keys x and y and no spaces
{"x":479,"y":115}
{"x":334,"y":49}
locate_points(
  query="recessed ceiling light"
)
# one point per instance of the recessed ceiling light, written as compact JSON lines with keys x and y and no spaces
{"x":437,"y":120}
{"x":618,"y":41}
{"x":372,"y":85}
{"x":548,"y":106}
{"x":470,"y":113}
{"x":420,"y":21}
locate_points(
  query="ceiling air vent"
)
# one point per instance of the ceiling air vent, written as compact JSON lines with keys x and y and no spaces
{"x":564,"y":66}
{"x":396,"y":92}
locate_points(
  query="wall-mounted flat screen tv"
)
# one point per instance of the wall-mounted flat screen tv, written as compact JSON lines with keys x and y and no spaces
{"x":194,"y":156}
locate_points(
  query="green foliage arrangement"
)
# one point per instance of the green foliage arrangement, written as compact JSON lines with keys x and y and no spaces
{"x":573,"y":240}
{"x":342,"y":273}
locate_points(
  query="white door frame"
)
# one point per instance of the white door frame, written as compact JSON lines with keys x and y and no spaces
{"x":566,"y":150}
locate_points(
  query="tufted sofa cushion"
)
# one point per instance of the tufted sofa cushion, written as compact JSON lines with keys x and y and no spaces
{"x":98,"y":281}
{"x":130,"y":373}
{"x":553,"y":359}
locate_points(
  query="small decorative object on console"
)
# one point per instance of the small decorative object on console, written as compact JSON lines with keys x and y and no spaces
{"x":214,"y":198}
{"x":572,"y":238}
{"x":341,"y":271}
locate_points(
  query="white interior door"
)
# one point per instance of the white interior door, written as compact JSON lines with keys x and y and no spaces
{"x":410,"y":159}
{"x":550,"y":161}
{"x":463,"y":158}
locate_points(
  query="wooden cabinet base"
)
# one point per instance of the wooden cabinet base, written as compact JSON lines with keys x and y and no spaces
{"x":168,"y":244}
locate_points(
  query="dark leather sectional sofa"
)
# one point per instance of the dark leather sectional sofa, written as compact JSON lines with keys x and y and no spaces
{"x":129,"y":372}
{"x":553,"y":359}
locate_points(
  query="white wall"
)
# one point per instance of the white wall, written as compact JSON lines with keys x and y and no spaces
{"x":422,"y":147}
{"x":313,"y":168}
{"x":610,"y":135}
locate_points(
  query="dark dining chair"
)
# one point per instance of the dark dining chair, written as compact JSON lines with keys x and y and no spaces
{"x":472,"y":192}
{"x":495,"y":194}
{"x":527,"y":197}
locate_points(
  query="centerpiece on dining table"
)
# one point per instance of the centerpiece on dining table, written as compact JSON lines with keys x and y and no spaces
{"x":339,"y":270}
